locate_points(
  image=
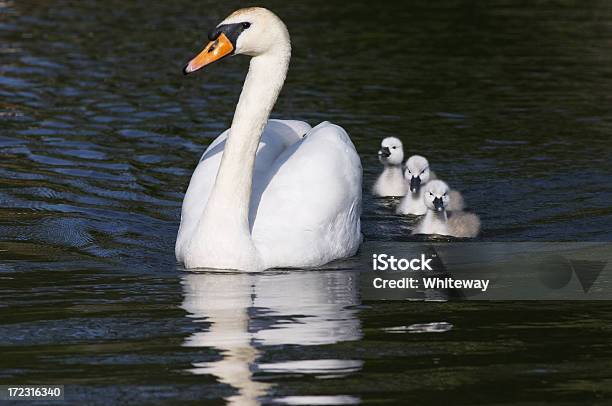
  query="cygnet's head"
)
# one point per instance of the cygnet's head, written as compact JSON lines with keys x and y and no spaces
{"x":391,"y":151}
{"x":249,"y":31}
{"x":417,"y":172}
{"x":436,"y":195}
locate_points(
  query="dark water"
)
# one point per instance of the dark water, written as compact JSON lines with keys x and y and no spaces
{"x":99,"y":134}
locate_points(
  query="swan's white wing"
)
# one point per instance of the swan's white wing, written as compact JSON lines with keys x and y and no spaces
{"x":306,"y":211}
{"x":277,"y":136}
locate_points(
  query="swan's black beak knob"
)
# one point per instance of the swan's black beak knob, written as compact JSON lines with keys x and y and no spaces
{"x":415,"y":184}
{"x":438,"y":204}
{"x":384,"y":152}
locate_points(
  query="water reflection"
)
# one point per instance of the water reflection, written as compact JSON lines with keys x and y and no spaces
{"x":248,"y":312}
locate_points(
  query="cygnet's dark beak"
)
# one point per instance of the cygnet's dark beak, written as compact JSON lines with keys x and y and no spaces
{"x":384,"y":152}
{"x":415,"y":184}
{"x":438,"y":204}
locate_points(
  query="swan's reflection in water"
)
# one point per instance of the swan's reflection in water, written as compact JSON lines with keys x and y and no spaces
{"x":247,"y":312}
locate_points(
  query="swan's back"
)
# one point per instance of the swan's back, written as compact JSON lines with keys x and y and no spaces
{"x":308,"y":212}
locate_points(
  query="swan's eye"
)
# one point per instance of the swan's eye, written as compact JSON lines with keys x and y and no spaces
{"x":430,"y":194}
{"x":246,"y":25}
{"x":423,"y":171}
{"x":445,"y":193}
{"x":394,"y":147}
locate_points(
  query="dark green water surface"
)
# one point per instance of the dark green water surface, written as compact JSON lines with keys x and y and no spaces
{"x":99,"y":134}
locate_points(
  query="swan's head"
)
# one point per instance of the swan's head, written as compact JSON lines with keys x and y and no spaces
{"x":391,"y":151}
{"x":249,"y":31}
{"x":417,"y":172}
{"x":436,"y":195}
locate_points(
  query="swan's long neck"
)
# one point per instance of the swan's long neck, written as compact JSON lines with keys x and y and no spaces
{"x":228,"y":204}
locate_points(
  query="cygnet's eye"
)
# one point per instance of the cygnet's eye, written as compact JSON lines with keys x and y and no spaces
{"x":409,"y":171}
{"x":445,"y":193}
{"x":423,"y":171}
{"x":430,"y":194}
{"x":246,"y":25}
{"x":394,"y":147}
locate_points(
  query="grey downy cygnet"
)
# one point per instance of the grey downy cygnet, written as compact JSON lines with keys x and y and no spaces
{"x":417,"y":175}
{"x":391,"y":181}
{"x":461,"y":224}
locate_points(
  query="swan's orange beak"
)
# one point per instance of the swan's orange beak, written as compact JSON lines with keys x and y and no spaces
{"x":214,"y":51}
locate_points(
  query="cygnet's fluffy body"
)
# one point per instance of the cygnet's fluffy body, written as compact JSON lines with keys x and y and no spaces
{"x":463,"y":224}
{"x":391,"y":181}
{"x":437,"y":196}
{"x":455,"y":201}
{"x":417,"y":175}
{"x":412,"y":203}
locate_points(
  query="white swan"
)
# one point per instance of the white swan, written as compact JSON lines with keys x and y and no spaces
{"x":391,"y":181}
{"x":265,"y":193}
{"x":417,"y":174}
{"x":436,"y":196}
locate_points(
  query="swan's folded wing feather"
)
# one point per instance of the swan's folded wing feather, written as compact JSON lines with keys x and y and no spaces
{"x":309,"y":204}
